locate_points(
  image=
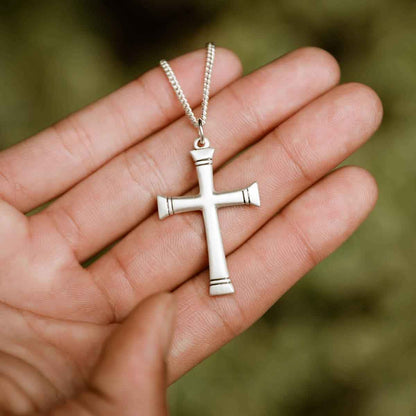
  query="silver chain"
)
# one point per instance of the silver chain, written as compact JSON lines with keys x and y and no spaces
{"x":198,"y":123}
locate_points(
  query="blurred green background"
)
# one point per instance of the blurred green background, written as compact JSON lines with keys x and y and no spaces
{"x":343,"y":340}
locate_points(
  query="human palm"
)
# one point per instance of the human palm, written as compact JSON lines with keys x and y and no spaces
{"x":103,"y":168}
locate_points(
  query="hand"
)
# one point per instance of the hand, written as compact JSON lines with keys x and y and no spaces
{"x":68,"y":331}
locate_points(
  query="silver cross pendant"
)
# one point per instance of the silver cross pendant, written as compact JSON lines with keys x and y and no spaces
{"x":208,"y":201}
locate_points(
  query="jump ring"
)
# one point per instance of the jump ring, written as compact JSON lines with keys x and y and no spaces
{"x":201,"y":132}
{"x":199,"y":145}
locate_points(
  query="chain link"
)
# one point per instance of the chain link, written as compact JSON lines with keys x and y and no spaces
{"x":198,"y":123}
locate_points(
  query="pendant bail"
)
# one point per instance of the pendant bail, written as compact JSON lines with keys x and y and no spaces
{"x":201,"y":142}
{"x":201,"y":132}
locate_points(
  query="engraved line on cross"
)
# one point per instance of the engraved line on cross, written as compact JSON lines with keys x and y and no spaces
{"x":208,"y":201}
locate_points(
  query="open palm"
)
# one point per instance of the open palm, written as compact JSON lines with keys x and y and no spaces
{"x":104,"y":167}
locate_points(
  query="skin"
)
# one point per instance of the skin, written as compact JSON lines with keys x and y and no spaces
{"x":102,"y":339}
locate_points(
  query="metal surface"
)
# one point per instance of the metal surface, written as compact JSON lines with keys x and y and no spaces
{"x":209,"y":63}
{"x":202,"y":142}
{"x":208,"y":201}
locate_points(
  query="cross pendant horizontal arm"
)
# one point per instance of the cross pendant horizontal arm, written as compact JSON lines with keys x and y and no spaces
{"x":208,"y":201}
{"x":176,"y":205}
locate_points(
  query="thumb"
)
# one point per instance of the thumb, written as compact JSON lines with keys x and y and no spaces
{"x":130,"y":378}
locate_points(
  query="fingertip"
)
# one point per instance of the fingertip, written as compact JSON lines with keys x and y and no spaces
{"x":306,"y":74}
{"x":362,"y":187}
{"x":160,"y":303}
{"x":229,"y":59}
{"x":331,"y":210}
{"x":368,"y":103}
{"x":155,"y":316}
{"x":320,"y":63}
{"x":346,"y":196}
{"x":350,"y":112}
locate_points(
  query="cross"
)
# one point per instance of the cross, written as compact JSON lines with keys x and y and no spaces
{"x":208,"y":201}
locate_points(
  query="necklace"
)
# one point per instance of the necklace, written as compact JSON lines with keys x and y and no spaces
{"x":207,"y":201}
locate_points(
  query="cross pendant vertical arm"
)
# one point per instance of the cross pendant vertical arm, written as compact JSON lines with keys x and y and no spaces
{"x":208,"y":201}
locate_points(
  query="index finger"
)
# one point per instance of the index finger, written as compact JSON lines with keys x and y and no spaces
{"x":54,"y":160}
